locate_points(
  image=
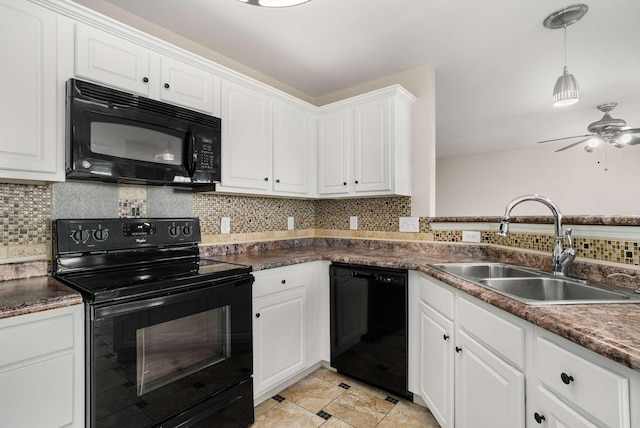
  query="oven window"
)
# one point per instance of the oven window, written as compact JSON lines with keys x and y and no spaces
{"x":177,"y":348}
{"x":135,"y":142}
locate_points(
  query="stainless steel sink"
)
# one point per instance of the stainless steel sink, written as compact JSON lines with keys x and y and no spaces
{"x":535,"y":287}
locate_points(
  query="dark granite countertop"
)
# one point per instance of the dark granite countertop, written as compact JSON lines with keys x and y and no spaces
{"x":34,"y":294}
{"x":612,"y":330}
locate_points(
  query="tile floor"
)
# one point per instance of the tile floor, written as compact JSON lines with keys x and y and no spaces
{"x":331,"y":400}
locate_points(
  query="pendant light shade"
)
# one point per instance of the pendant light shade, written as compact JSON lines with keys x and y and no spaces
{"x":566,"y":90}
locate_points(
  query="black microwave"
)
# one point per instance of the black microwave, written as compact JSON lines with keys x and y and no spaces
{"x":119,"y":137}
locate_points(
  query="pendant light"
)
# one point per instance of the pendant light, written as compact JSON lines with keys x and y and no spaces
{"x":566,"y":90}
{"x":274,"y":3}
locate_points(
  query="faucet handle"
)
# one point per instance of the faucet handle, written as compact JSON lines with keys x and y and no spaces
{"x":567,"y":234}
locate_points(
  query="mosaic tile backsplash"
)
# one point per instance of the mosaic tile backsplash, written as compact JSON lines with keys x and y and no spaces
{"x":27,"y":213}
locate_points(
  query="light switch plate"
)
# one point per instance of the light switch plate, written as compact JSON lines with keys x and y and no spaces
{"x":353,"y":222}
{"x":290,"y":223}
{"x":409,"y":224}
{"x":469,"y":236}
{"x":225,"y":225}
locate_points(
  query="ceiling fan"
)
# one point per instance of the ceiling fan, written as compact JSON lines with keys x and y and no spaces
{"x":606,"y":130}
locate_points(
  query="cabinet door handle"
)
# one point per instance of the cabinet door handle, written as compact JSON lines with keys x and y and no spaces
{"x":145,"y":79}
{"x":538,"y":417}
{"x":458,"y":349}
{"x":566,"y":379}
{"x":344,"y":183}
{"x":258,"y":315}
{"x":278,"y":180}
{"x":284,"y":281}
{"x":445,"y":337}
{"x":266,"y":179}
{"x":166,"y":86}
{"x":357,"y":181}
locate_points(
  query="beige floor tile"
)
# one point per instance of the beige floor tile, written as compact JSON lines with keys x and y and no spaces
{"x":370,"y":389}
{"x":408,"y":415}
{"x":330,"y":376}
{"x":288,"y":415}
{"x":312,"y":393}
{"x":265,"y":406}
{"x":359,"y":408}
{"x":334,"y":422}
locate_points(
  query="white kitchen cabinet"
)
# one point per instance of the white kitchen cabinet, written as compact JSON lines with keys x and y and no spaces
{"x":364,"y":145}
{"x":291,"y":322}
{"x":29,"y":133}
{"x":42,"y":369}
{"x":550,"y":411}
{"x":115,"y":61}
{"x":246,"y":138}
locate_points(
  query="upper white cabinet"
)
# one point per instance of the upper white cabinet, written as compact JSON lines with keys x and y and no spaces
{"x":364,"y":145}
{"x":246,"y":138}
{"x":29,"y":144}
{"x":112,"y":60}
{"x":42,"y":369}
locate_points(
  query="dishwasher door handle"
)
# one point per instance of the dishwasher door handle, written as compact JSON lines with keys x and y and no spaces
{"x":363,"y":275}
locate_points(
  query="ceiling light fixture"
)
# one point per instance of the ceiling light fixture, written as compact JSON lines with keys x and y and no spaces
{"x":566,"y":90}
{"x":274,"y":3}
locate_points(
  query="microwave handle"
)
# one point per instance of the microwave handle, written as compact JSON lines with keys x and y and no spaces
{"x":191,"y":155}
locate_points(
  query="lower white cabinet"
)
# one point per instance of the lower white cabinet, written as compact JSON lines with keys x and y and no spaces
{"x":290,"y":324}
{"x":475,"y":365}
{"x":42,"y":369}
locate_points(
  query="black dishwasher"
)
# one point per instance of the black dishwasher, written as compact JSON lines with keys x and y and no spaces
{"x":369,"y":325}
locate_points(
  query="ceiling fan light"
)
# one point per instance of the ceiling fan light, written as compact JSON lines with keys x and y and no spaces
{"x":566,"y":90}
{"x":624,"y":138}
{"x":593,"y":142}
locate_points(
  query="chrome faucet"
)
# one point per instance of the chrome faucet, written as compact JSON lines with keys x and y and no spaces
{"x":561,"y":258}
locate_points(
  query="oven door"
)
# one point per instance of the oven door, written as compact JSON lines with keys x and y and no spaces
{"x":173,"y":360}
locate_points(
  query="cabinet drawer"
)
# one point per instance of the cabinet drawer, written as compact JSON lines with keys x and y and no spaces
{"x":439,"y":298}
{"x":502,"y":336}
{"x":280,"y":279}
{"x":595,"y":390}
{"x":35,"y":338}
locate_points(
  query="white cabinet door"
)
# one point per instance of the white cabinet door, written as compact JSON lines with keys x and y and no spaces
{"x":290,"y":142}
{"x":28,"y":144}
{"x":372,"y":146}
{"x":109,"y":59}
{"x":334,"y":143}
{"x":279,"y":337}
{"x":186,"y":85}
{"x":489,"y":392}
{"x":246,"y":138}
{"x":436,"y":364}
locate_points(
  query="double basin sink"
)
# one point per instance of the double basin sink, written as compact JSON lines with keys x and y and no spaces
{"x":535,"y":287}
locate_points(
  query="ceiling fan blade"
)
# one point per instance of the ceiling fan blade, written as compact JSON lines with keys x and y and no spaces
{"x":633,"y":142}
{"x":573,"y":144}
{"x":565,"y":138}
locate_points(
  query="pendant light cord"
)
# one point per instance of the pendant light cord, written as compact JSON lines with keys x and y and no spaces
{"x":565,"y":47}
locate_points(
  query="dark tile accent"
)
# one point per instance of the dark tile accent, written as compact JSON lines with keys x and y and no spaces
{"x":279,"y":398}
{"x":344,"y":386}
{"x":324,"y":415}
{"x":390,"y":399}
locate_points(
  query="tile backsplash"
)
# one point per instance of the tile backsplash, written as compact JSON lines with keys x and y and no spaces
{"x":27,"y":212}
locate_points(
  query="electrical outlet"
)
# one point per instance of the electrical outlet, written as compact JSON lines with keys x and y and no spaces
{"x":290,"y":224}
{"x":225,"y":225}
{"x":353,"y":222}
{"x":469,"y":236}
{"x":409,"y":224}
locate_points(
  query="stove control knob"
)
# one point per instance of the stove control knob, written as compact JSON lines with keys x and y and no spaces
{"x":174,"y":231}
{"x":101,"y":235}
{"x":79,"y":236}
{"x":187,"y":230}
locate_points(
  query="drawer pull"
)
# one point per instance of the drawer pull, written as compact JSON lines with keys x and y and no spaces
{"x":445,"y":337}
{"x":284,"y":281}
{"x":458,"y":350}
{"x":538,"y":417}
{"x":566,"y":379}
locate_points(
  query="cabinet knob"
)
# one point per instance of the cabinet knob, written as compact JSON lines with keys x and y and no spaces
{"x":538,"y":417}
{"x":284,"y":281}
{"x":166,"y":86}
{"x":266,"y":179}
{"x":258,"y":315}
{"x":344,"y":183}
{"x":566,"y":379}
{"x":458,"y":349}
{"x":145,"y":79}
{"x":357,"y":181}
{"x":278,"y":181}
{"x":445,"y":337}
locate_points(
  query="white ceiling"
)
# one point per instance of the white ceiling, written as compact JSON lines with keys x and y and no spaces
{"x":495,"y":63}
